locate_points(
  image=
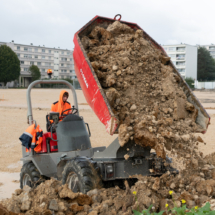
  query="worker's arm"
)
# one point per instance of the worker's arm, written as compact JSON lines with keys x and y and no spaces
{"x":53,"y":108}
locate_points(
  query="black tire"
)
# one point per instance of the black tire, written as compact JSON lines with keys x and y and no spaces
{"x":82,"y":175}
{"x":29,"y":175}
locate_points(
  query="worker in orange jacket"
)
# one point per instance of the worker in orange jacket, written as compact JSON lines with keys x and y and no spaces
{"x":62,"y":104}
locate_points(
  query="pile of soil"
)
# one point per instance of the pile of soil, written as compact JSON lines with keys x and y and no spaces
{"x":142,"y":89}
{"x":51,"y":197}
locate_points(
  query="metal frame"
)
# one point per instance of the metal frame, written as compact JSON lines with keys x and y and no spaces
{"x":29,"y":106}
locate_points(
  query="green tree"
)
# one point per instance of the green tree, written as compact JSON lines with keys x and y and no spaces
{"x":9,"y":65}
{"x":35,"y":72}
{"x":205,"y":66}
{"x":190,"y":82}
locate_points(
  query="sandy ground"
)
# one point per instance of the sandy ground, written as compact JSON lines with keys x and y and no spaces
{"x":13,"y":122}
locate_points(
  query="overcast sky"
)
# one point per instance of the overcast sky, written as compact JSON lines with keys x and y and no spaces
{"x":53,"y":22}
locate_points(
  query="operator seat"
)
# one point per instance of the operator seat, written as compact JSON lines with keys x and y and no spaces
{"x":72,"y":134}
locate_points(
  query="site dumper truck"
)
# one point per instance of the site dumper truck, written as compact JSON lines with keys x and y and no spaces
{"x":67,"y":153}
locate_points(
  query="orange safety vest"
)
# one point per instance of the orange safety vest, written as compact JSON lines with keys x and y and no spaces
{"x":32,"y":138}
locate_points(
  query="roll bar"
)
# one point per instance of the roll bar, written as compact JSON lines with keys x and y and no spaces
{"x":29,"y":114}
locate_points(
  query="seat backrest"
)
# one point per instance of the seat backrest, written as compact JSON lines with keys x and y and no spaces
{"x":72,"y":134}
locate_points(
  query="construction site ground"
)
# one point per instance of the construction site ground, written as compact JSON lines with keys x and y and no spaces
{"x":13,"y":122}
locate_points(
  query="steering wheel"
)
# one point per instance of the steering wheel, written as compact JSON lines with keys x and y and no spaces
{"x":73,"y":109}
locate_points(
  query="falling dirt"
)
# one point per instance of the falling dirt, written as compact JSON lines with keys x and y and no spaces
{"x":142,"y":89}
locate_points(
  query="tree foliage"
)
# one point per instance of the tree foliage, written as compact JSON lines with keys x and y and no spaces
{"x":190,"y":82}
{"x":9,"y":65}
{"x":206,"y":65}
{"x":35,"y":72}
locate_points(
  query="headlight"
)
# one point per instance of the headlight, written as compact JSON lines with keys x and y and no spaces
{"x":109,"y":168}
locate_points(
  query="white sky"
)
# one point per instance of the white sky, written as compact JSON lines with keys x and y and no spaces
{"x":53,"y":22}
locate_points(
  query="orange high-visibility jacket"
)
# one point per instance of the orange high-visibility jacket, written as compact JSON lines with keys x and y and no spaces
{"x":60,"y":105}
{"x":32,"y":137}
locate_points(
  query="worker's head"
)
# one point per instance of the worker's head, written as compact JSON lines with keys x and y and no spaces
{"x":65,"y":96}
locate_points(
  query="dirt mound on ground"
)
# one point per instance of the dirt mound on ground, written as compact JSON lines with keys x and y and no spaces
{"x":51,"y":197}
{"x":142,"y":89}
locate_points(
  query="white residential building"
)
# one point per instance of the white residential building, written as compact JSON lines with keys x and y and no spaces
{"x":211,"y":49}
{"x":184,"y":57}
{"x":59,"y":60}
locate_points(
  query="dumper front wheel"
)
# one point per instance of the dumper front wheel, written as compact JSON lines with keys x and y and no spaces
{"x":29,"y":175}
{"x":81,"y":175}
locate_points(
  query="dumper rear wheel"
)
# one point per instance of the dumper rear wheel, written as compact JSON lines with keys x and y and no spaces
{"x":81,"y":175}
{"x":29,"y":175}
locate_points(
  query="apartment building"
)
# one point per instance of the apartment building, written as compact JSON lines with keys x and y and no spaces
{"x":59,"y":60}
{"x":211,"y":49}
{"x":184,"y":57}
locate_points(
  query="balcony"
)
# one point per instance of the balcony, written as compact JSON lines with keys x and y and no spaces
{"x":180,"y":66}
{"x":180,"y":58}
{"x":180,"y":49}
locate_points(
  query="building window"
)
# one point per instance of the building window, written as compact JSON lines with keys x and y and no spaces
{"x":39,"y":63}
{"x":181,"y":70}
{"x":18,"y":55}
{"x":29,"y":56}
{"x":180,"y":63}
{"x":68,"y":53}
{"x":63,"y":70}
{"x":43,"y":57}
{"x":62,"y":52}
{"x":172,"y":56}
{"x":22,"y":62}
{"x":35,"y":49}
{"x":180,"y":56}
{"x":50,"y":51}
{"x":18,"y":48}
{"x":43,"y":70}
{"x":166,"y":49}
{"x":30,"y":49}
{"x":64,"y":59}
{"x":70,"y":59}
{"x":61,"y":64}
{"x":25,"y":56}
{"x":25,"y":49}
{"x":43,"y":50}
{"x":172,"y":49}
{"x":212,"y":52}
{"x":50,"y":57}
{"x":46,"y":64}
{"x":36,"y":56}
{"x":31,"y":62}
{"x":25,"y":69}
{"x":180,"y":49}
